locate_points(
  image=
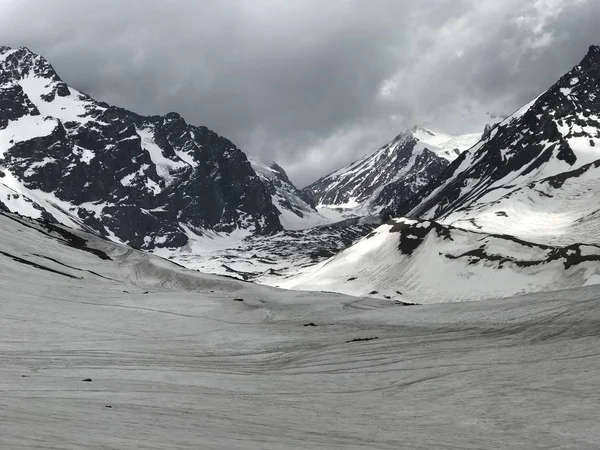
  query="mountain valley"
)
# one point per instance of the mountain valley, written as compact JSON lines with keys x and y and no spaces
{"x":507,"y":212}
{"x":162,"y":290}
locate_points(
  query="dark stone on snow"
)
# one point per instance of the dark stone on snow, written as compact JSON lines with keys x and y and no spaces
{"x":362,"y":339}
{"x":399,"y":302}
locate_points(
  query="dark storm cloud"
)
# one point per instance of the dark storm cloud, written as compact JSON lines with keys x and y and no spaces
{"x":313,"y":84}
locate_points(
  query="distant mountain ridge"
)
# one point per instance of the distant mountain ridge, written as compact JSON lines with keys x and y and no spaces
{"x":392,"y":174}
{"x":297,"y":210}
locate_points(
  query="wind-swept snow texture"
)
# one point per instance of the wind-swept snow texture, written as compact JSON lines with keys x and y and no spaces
{"x":180,"y":360}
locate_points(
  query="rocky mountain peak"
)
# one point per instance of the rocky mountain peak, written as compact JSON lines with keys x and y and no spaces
{"x":398,"y":143}
{"x":592,"y":57}
{"x":544,"y":157}
{"x":22,"y":63}
{"x":419,"y":129}
{"x":395,"y":171}
{"x":145,"y":181}
{"x":284,"y":195}
{"x":281,"y":172}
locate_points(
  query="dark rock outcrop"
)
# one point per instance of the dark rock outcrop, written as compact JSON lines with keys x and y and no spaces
{"x":381,"y":180}
{"x":146,"y":181}
{"x":537,"y":145}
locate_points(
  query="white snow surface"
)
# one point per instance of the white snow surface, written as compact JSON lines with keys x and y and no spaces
{"x":25,"y":129}
{"x":568,"y":217}
{"x":73,"y":107}
{"x":441,"y":269}
{"x":21,"y":200}
{"x":176,"y":363}
{"x":18,"y":203}
{"x":446,"y":145}
{"x":164,"y":166}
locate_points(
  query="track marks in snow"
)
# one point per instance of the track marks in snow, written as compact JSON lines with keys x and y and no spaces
{"x":187,"y":368}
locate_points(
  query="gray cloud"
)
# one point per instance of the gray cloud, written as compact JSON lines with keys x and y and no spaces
{"x":311,"y":83}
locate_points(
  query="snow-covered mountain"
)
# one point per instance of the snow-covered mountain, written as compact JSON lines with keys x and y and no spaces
{"x":536,"y":174}
{"x":146,"y":181}
{"x":155,"y":183}
{"x":516,"y":213}
{"x":296,"y":209}
{"x":447,"y":146}
{"x":392,"y":174}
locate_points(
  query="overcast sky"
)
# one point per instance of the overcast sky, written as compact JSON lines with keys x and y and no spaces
{"x":313,"y":84}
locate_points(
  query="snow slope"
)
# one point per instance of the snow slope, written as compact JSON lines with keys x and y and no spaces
{"x":176,"y":363}
{"x":425,"y":262}
{"x":535,"y":175}
{"x":446,"y":145}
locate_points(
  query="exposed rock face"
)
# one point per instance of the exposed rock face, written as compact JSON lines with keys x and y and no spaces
{"x":518,"y":212}
{"x":535,"y":174}
{"x":147,"y":181}
{"x":285,"y":196}
{"x":381,"y":181}
{"x":393,"y":173}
